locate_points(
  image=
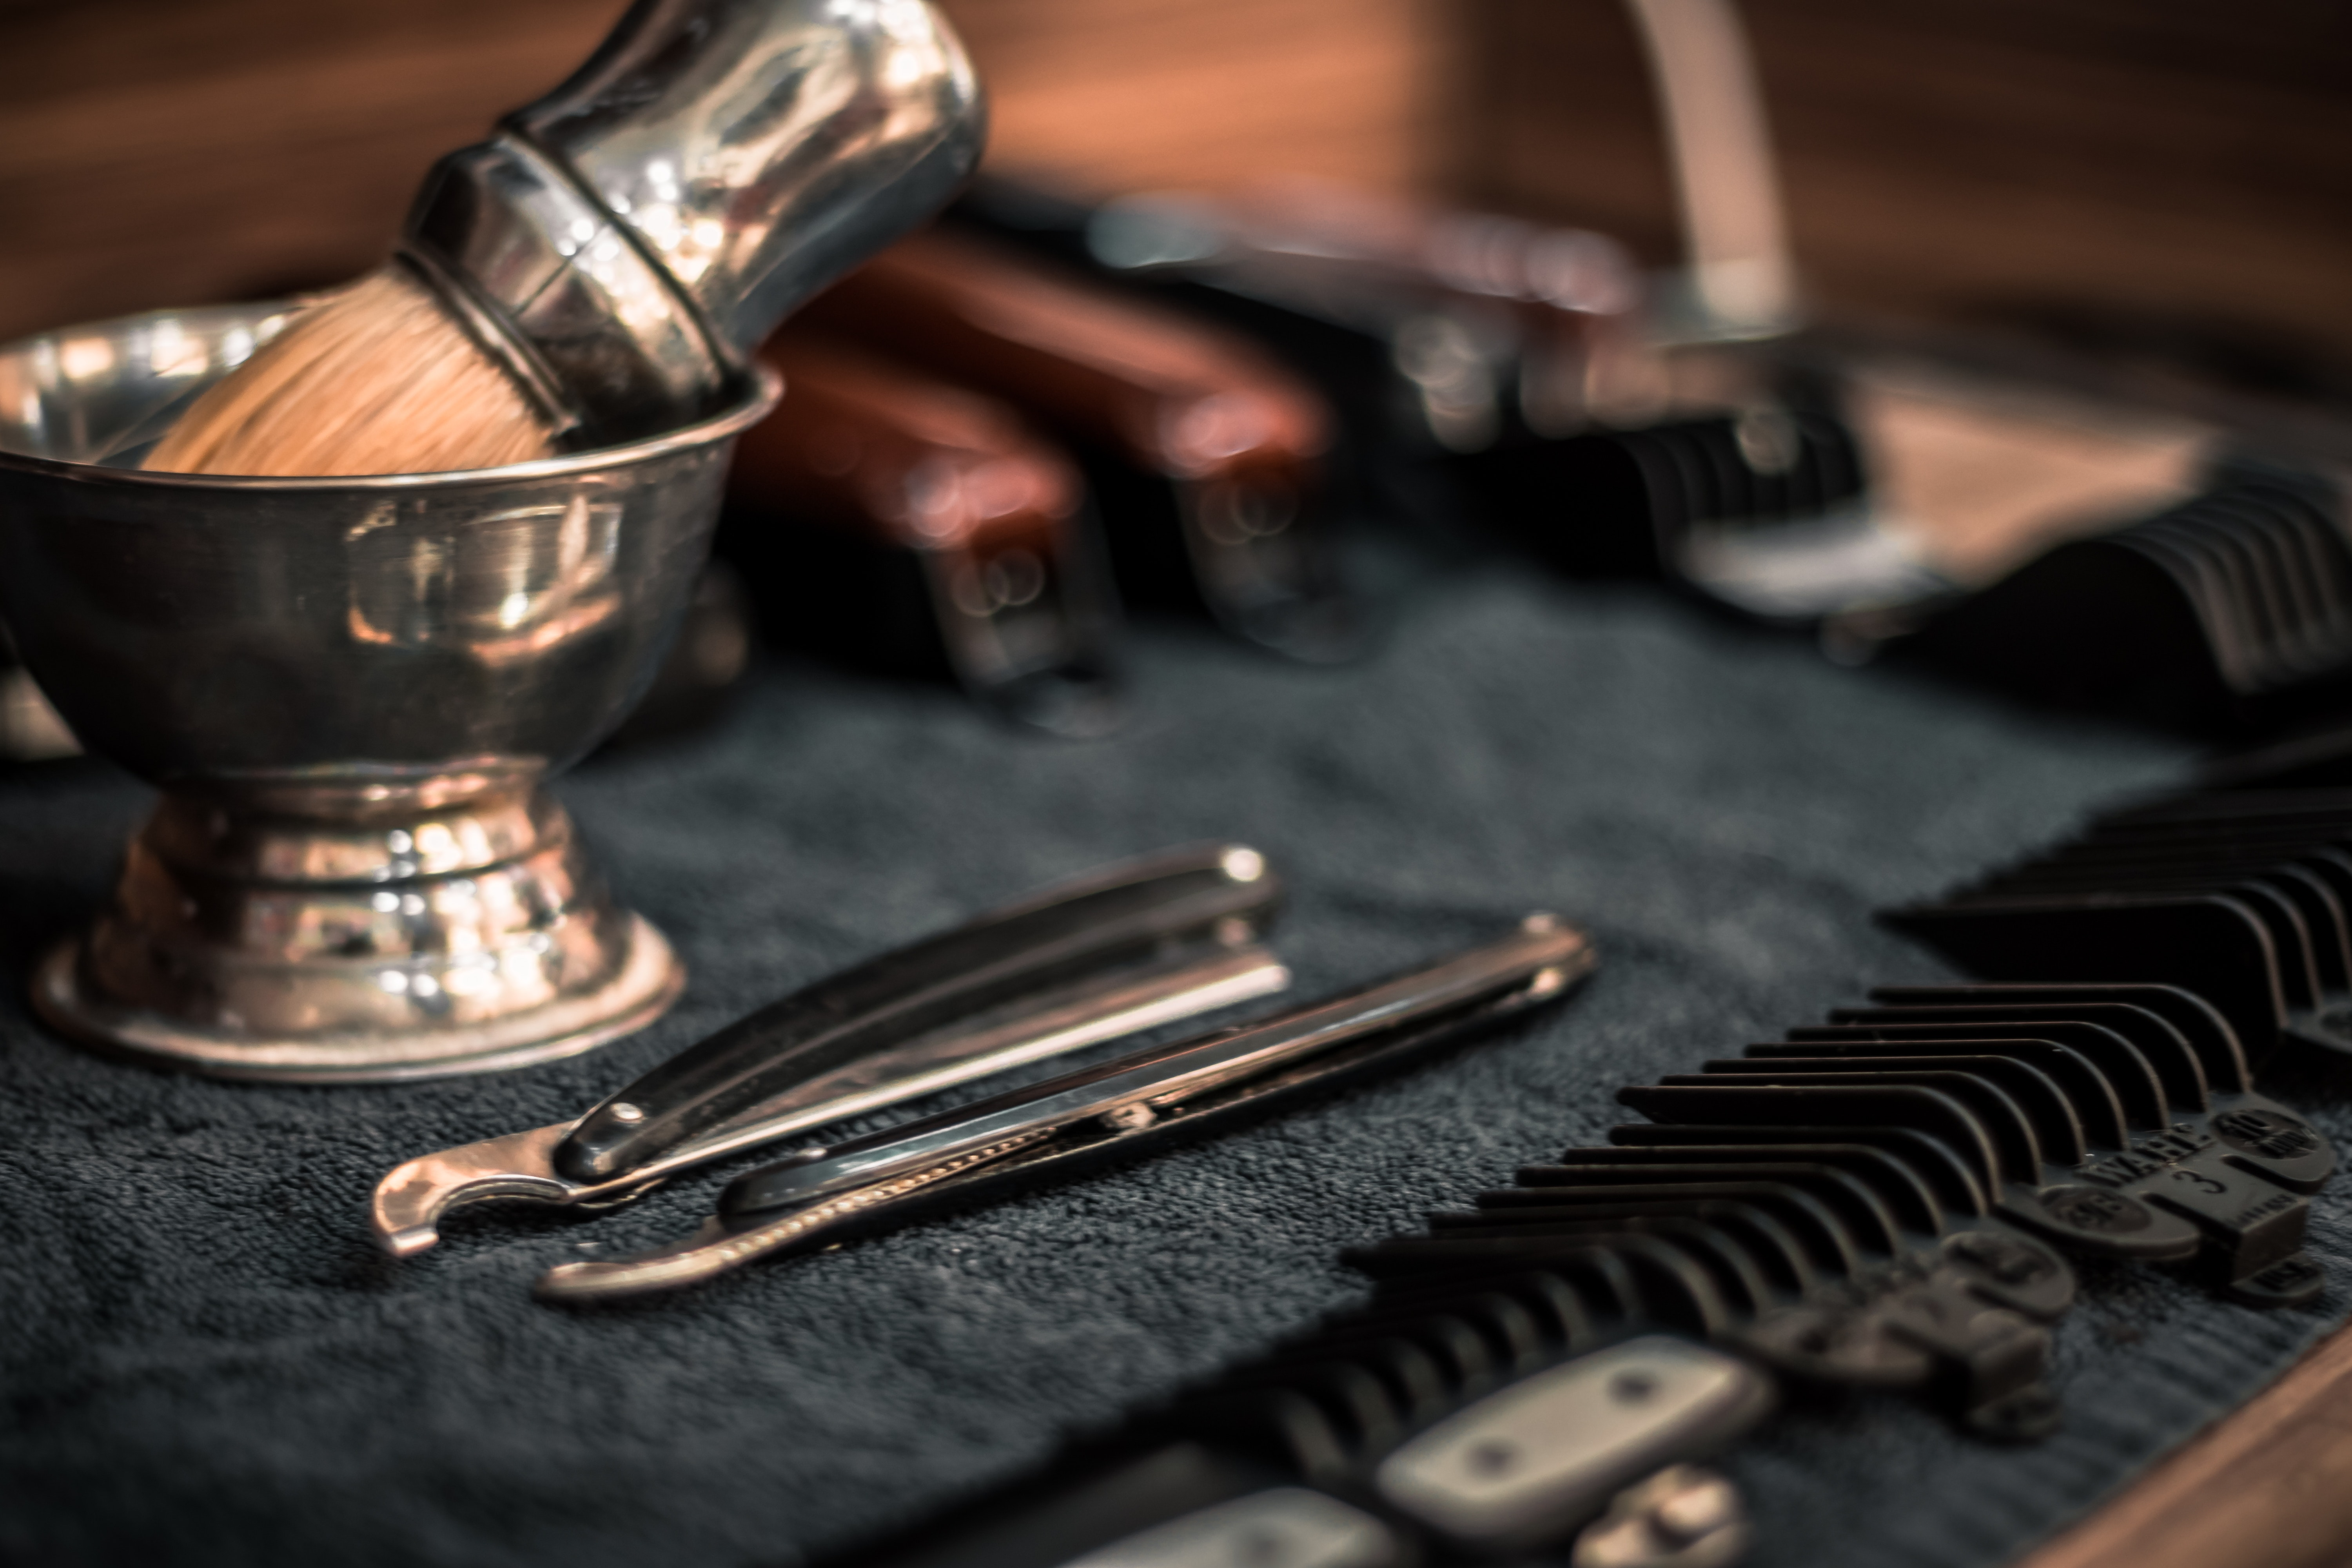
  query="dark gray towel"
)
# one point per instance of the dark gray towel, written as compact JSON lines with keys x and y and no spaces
{"x":205,"y":1361}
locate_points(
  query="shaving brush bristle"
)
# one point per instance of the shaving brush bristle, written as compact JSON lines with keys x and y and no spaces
{"x":374,"y":379}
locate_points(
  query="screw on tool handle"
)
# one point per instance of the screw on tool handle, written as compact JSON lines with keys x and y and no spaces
{"x":625,"y":242}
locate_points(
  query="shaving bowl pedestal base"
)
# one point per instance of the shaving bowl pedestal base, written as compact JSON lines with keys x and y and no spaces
{"x":362,"y":945}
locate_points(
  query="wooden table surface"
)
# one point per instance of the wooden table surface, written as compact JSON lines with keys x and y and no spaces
{"x":2268,"y":1485}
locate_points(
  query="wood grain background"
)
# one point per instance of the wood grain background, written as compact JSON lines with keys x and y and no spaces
{"x":2173,"y":159}
{"x":174,"y":152}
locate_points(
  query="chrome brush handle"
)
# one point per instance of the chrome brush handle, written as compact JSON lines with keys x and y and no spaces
{"x":625,"y":243}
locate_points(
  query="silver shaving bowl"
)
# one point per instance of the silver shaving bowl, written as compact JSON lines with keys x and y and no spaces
{"x":351,"y":693}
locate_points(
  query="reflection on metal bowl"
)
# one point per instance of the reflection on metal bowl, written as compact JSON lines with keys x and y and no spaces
{"x":352,"y":691}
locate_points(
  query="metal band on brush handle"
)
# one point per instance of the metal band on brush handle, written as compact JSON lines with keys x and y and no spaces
{"x":625,"y":243}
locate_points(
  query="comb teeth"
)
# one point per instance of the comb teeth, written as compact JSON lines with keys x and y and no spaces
{"x":1749,"y":509}
{"x":1873,"y":1204}
{"x":2241,"y":897}
{"x":1826,"y":1201}
{"x":2231,"y":609}
{"x":1882,"y":1202}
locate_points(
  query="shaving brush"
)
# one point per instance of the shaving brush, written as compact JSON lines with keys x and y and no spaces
{"x":603,"y":268}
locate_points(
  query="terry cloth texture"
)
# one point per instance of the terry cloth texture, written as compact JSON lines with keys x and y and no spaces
{"x":205,"y":1361}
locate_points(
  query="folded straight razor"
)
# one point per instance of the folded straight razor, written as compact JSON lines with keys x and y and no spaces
{"x":1131,"y":946}
{"x":1113,"y":1109}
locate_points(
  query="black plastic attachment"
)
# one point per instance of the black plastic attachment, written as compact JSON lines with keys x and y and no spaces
{"x":2227,"y":613}
{"x":2242,"y":898}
